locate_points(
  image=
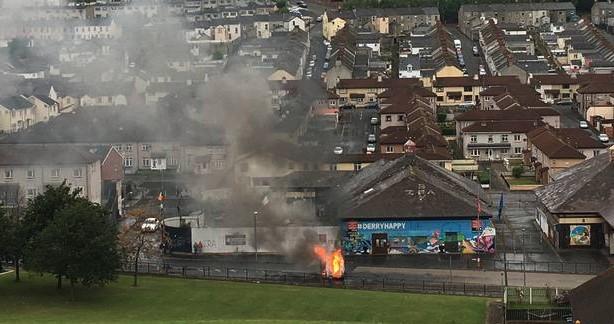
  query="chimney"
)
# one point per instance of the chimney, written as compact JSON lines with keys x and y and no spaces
{"x":483,"y":124}
{"x":574,"y":76}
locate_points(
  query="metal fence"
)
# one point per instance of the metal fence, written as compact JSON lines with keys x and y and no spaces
{"x":542,"y":315}
{"x":380,"y":283}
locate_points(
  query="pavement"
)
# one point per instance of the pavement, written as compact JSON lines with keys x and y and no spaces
{"x":533,"y":279}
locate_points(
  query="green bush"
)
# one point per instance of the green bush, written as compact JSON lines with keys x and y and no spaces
{"x":517,"y":171}
{"x":441,"y":118}
{"x":484,"y":177}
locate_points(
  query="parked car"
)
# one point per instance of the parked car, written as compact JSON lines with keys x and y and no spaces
{"x":371,"y":138}
{"x":370,"y":148}
{"x":374,"y":121}
{"x":482,"y":70}
{"x":150,"y":225}
{"x":604,"y":138}
{"x":457,"y":43}
{"x":476,"y":51}
{"x":327,"y":43}
{"x":338,"y":150}
{"x":325,"y":65}
{"x":312,"y":63}
{"x":583,"y":124}
{"x":319,"y":19}
{"x":314,"y":57}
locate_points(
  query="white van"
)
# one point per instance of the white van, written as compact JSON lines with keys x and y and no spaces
{"x":457,"y":43}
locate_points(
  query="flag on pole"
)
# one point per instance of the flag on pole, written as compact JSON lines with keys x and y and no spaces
{"x":479,"y":207}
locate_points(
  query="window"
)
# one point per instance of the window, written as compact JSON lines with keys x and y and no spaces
{"x":517,"y":138}
{"x":128,"y":162}
{"x":504,"y":138}
{"x":128,"y":148}
{"x":77,"y":173}
{"x":439,"y":98}
{"x":467,"y":89}
{"x":146,"y":162}
{"x":438,"y":89}
{"x":475,"y":152}
{"x":218,"y":164}
{"x":490,"y":139}
{"x":390,"y":149}
{"x":30,"y":174}
{"x":388,"y":118}
{"x":31,"y":193}
{"x":566,"y":86}
{"x":467,"y":98}
{"x":8,"y":174}
{"x":55,"y":173}
{"x":596,"y":152}
{"x":399,"y":117}
{"x":145,"y":147}
{"x":518,"y":150}
{"x":473,"y":139}
{"x":504,"y":151}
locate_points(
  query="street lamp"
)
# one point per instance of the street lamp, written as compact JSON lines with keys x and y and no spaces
{"x":255,"y":235}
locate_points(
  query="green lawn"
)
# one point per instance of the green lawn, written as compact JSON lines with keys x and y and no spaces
{"x":35,"y":299}
{"x":521,"y":181}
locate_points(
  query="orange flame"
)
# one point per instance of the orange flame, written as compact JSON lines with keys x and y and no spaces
{"x":333,"y":262}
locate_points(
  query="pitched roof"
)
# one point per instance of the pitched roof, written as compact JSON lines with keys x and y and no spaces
{"x":28,"y":154}
{"x":591,"y":302}
{"x":466,"y":81}
{"x":486,"y":115}
{"x":375,"y":84}
{"x":578,"y":138}
{"x":390,"y":189}
{"x":15,"y":103}
{"x":552,"y":146}
{"x":583,"y":188}
{"x":514,"y":126}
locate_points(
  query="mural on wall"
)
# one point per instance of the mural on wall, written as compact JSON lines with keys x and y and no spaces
{"x":580,"y":235}
{"x":419,"y":236}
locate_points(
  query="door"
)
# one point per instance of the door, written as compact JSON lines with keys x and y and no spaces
{"x":490,"y":153}
{"x":379,"y":242}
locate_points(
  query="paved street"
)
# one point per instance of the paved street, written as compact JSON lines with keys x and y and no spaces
{"x":472,"y":62}
{"x":354,"y":128}
{"x":565,"y":281}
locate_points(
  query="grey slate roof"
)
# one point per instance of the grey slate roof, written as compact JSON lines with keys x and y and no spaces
{"x":15,"y":103}
{"x":587,"y":187}
{"x":393,"y":189}
{"x":26,"y":154}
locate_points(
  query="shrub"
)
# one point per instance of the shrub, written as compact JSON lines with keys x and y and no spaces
{"x":517,"y":171}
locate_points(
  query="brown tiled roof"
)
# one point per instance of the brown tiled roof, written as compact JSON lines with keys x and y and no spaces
{"x":516,"y":126}
{"x":560,"y":79}
{"x":552,"y":146}
{"x":491,"y":115}
{"x":597,"y":87}
{"x":374,"y":83}
{"x":493,"y":91}
{"x":34,"y":154}
{"x":466,"y":81}
{"x":578,"y":138}
{"x":394,"y":135}
{"x":545,"y":111}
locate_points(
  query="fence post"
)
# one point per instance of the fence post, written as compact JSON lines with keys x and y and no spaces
{"x":403,"y":284}
{"x":422,"y":285}
{"x":147,"y":267}
{"x":304,"y":277}
{"x":444,"y":287}
{"x":484,"y":290}
{"x":265,"y":275}
{"x":530,"y":296}
{"x":464,"y":290}
{"x":383,"y":282}
{"x":246,"y":274}
{"x":226,"y":273}
{"x":183,"y":271}
{"x":363,"y":283}
{"x":204,"y":273}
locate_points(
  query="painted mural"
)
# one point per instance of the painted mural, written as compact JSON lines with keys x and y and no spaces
{"x":418,"y":236}
{"x":580,"y":235}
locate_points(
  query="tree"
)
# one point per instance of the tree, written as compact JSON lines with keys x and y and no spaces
{"x":135,"y":243}
{"x":80,"y":244}
{"x":11,"y":240}
{"x":41,"y":210}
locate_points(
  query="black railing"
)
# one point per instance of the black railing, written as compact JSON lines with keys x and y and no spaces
{"x":542,"y":315}
{"x":380,"y":283}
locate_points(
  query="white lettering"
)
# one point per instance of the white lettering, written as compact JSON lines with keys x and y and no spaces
{"x":381,"y":226}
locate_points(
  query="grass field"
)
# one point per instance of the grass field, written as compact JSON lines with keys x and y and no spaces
{"x":35,"y":299}
{"x":521,"y":181}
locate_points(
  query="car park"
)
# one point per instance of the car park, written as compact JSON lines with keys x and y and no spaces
{"x":604,"y":138}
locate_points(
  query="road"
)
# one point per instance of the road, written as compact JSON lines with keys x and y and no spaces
{"x":472,"y":62}
{"x":555,"y":280}
{"x":354,"y":128}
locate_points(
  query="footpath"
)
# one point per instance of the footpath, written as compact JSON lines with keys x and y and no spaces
{"x":514,"y":278}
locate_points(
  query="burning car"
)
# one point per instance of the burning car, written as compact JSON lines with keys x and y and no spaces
{"x":332,"y":263}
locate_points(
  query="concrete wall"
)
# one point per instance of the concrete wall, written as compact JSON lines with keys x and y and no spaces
{"x":214,"y":239}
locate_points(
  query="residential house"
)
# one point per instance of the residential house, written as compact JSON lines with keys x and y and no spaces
{"x":361,"y":92}
{"x":551,"y":150}
{"x":453,"y":91}
{"x":16,"y":113}
{"x":479,"y":116}
{"x":602,"y":13}
{"x":564,"y":87}
{"x":181,"y":141}
{"x":497,"y":140}
{"x":33,"y":167}
{"x":594,"y":94}
{"x":576,"y":211}
{"x":471,"y":16}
